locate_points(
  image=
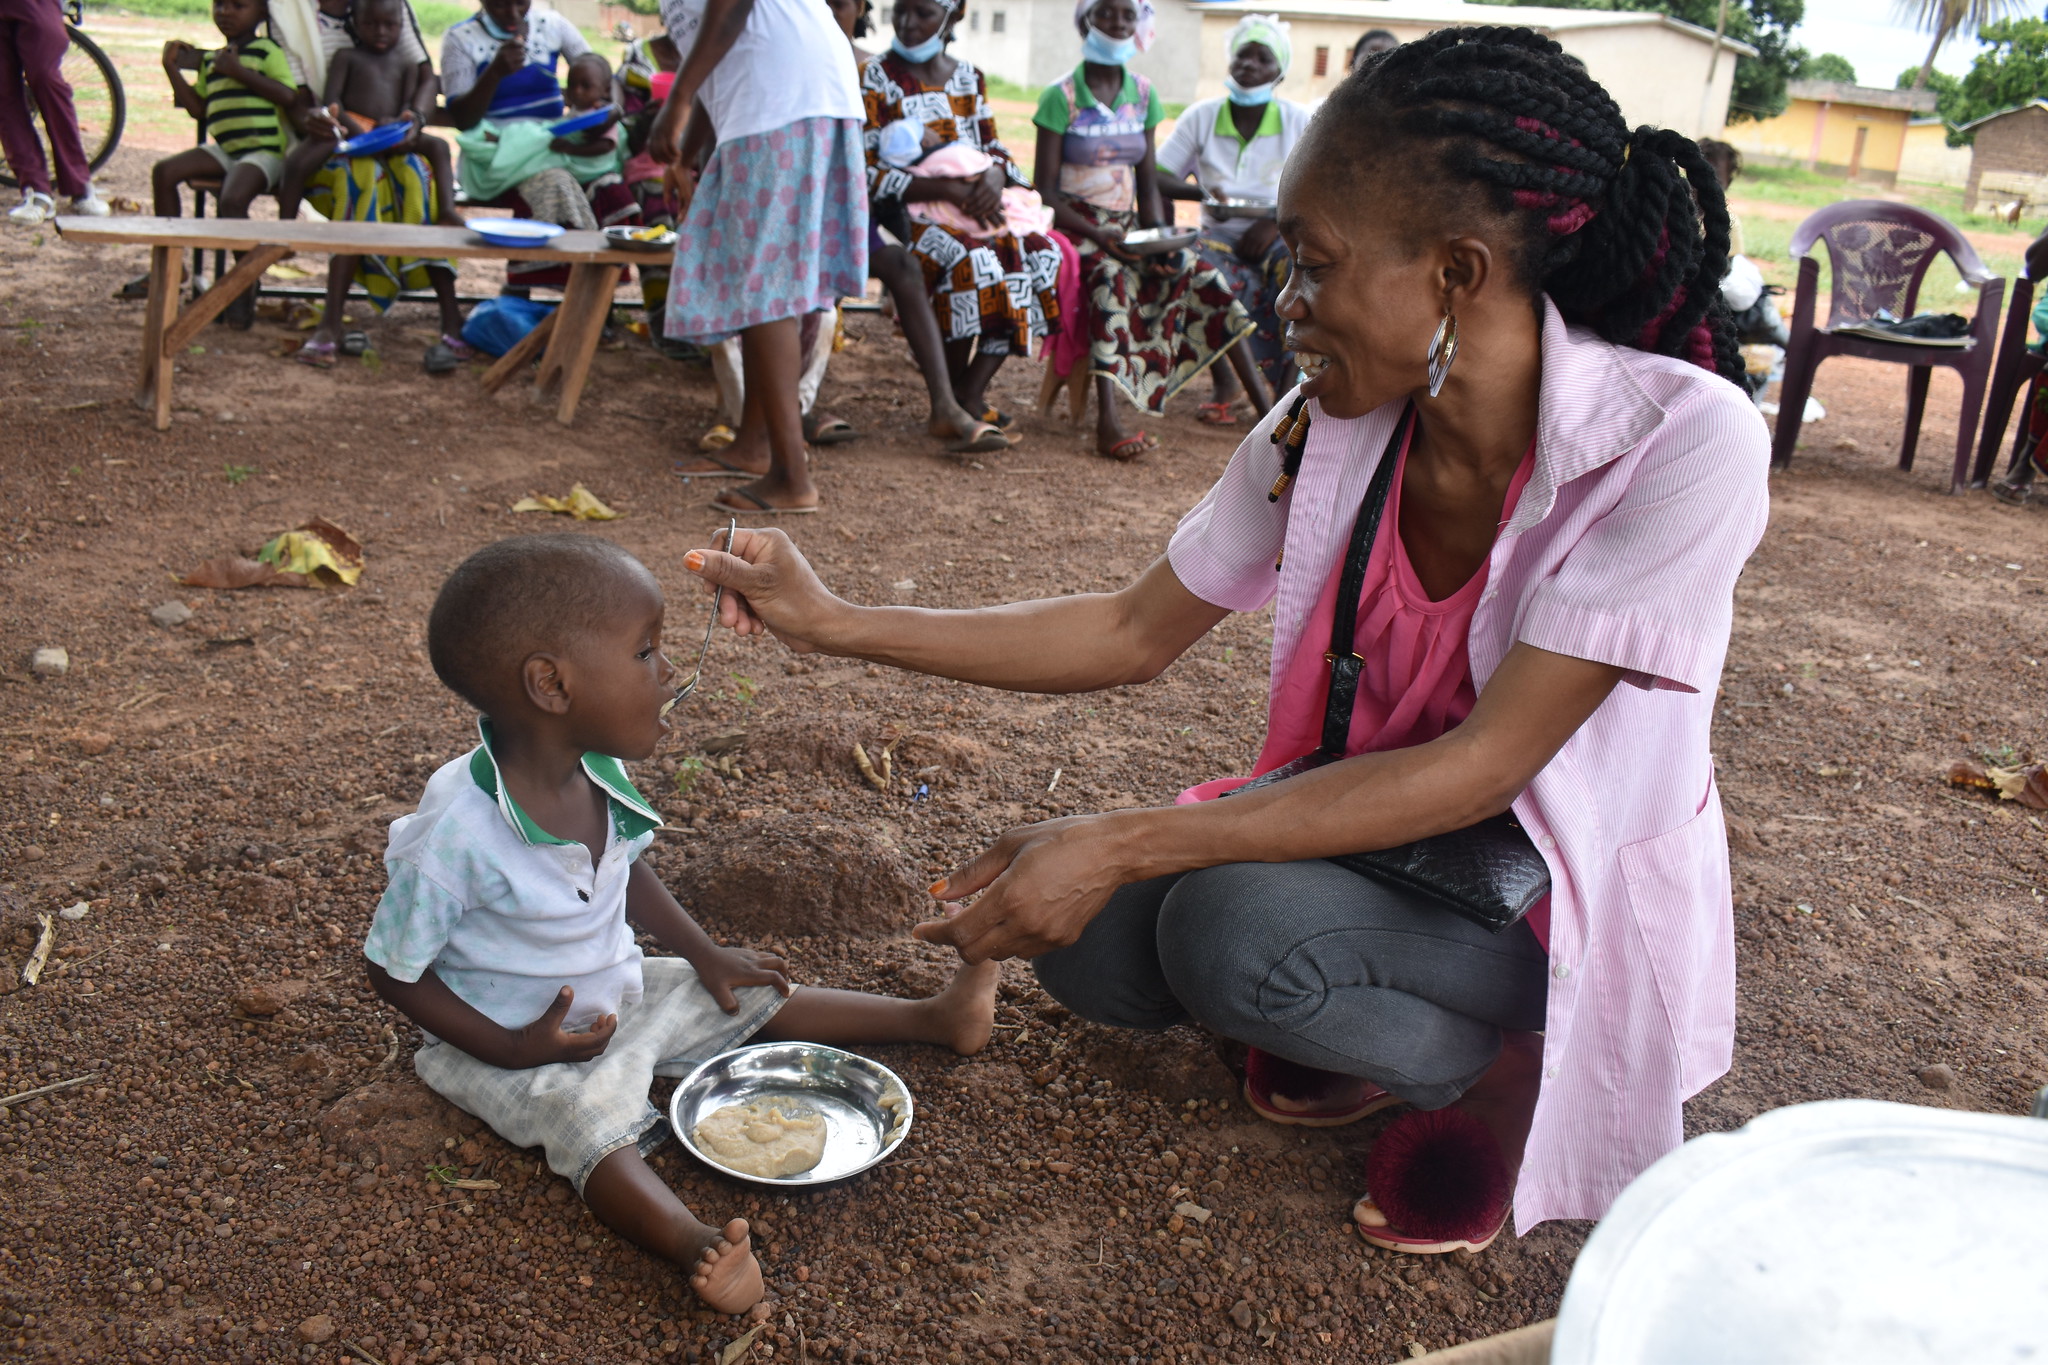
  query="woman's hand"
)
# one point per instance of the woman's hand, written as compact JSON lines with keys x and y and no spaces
{"x":1257,"y":240}
{"x":769,"y":588}
{"x":983,"y":197}
{"x":1110,"y":238}
{"x":544,"y":1041}
{"x":511,"y":54}
{"x":1040,"y":886}
{"x":722,"y":970}
{"x":665,"y":135}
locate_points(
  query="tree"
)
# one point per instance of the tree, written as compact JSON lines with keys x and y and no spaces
{"x":1949,"y":103}
{"x":2010,"y":71}
{"x":1829,"y":66}
{"x":1947,"y":18}
{"x":1766,"y":25}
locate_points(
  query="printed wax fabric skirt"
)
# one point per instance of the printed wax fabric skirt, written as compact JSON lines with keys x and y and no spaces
{"x":369,"y":189}
{"x":1001,"y":290}
{"x":1156,"y":323}
{"x":1257,"y":285}
{"x":778,"y":228}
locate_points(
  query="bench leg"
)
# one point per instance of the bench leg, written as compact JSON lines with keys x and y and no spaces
{"x":224,"y":290}
{"x":166,"y":278}
{"x":520,"y":355}
{"x":599,"y":283}
{"x":562,"y":338}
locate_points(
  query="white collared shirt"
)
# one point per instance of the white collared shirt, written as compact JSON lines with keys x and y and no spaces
{"x":502,"y":911}
{"x":1205,"y":143}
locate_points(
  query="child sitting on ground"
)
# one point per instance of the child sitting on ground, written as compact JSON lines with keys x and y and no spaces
{"x":370,"y":84}
{"x":506,"y":930}
{"x":238,"y":98}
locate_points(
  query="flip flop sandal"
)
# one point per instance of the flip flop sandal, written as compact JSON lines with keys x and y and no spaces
{"x":718,"y":438}
{"x":711,"y":467}
{"x":1130,"y":448}
{"x":1001,"y":419}
{"x":987,"y":441}
{"x":137,"y":288}
{"x":1268,"y":1079}
{"x":439,"y":359}
{"x":836,"y":432}
{"x":1217,"y":414}
{"x":760,"y":508}
{"x":354,"y":343}
{"x":321,"y":355}
{"x":1421,"y":1212}
{"x":462,"y":349}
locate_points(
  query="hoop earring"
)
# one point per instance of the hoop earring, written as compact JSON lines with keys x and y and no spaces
{"x":1443,"y":349}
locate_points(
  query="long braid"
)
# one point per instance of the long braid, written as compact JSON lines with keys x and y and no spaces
{"x":1626,"y":232}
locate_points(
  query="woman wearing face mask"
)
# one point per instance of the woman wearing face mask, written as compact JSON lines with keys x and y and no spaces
{"x":1155,"y":322}
{"x":1513,"y":494}
{"x":1233,"y":148}
{"x":991,"y":276}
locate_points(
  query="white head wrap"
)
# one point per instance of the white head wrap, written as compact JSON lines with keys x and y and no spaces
{"x":297,"y":30}
{"x":1146,"y":26}
{"x":1269,"y":29}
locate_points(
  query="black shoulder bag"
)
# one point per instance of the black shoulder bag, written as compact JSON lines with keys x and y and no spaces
{"x":1490,"y":872}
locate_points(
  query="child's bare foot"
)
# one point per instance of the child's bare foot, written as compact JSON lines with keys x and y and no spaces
{"x":964,"y":1014}
{"x":726,"y":1276}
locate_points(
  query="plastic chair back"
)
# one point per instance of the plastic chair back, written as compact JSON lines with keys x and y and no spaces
{"x":1879,"y":252}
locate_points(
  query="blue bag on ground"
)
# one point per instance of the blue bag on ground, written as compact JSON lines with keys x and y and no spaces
{"x":496,"y":325}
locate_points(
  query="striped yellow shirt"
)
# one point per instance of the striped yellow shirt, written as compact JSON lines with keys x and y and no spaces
{"x":237,"y":118}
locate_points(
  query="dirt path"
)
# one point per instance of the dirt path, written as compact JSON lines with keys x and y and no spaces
{"x":252,"y":1167}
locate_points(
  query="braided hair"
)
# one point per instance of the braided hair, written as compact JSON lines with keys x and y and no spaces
{"x":1626,"y":232}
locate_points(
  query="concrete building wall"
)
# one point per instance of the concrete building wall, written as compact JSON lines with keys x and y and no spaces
{"x":1826,"y":137}
{"x":1927,"y":159}
{"x":2009,"y":159}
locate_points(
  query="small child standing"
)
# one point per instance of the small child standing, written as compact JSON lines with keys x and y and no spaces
{"x":371,"y":83}
{"x":506,"y":931}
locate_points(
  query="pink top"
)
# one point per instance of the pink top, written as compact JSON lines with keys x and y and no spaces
{"x":1647,"y":493}
{"x":1417,"y":680}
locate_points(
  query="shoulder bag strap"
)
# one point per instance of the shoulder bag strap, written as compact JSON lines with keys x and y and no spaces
{"x":1345,"y":663}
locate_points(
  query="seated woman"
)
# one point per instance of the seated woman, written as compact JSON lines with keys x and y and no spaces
{"x":991,"y":284}
{"x":1233,"y":148}
{"x":1524,"y":462}
{"x":1155,"y":322}
{"x":500,"y":64}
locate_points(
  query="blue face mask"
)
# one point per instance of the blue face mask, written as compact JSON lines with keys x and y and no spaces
{"x":1103,"y":50}
{"x":1252,"y":95}
{"x":923,"y":52}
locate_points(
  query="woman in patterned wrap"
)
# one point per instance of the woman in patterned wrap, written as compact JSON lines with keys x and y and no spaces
{"x":991,"y":286}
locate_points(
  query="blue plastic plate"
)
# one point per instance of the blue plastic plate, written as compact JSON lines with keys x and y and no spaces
{"x":514,"y":231}
{"x":379,"y":139}
{"x":582,"y":121}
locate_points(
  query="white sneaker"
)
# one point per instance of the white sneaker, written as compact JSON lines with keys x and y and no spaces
{"x":90,"y":204}
{"x":35,"y":207}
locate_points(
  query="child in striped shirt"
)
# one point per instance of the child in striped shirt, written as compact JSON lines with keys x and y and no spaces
{"x":239,"y":98}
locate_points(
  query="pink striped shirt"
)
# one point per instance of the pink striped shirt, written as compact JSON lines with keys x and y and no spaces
{"x":1648,"y":494}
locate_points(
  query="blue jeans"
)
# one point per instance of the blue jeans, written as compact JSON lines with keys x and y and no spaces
{"x":1312,"y":963}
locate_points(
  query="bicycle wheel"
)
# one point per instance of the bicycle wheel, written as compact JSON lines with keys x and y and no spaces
{"x":96,"y":94}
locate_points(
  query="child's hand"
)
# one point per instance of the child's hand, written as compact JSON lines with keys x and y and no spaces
{"x":725,"y":968}
{"x":511,"y":54}
{"x":227,"y":63}
{"x":544,"y":1041}
{"x":177,"y":54}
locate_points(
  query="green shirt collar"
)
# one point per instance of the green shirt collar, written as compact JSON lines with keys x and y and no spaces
{"x":1084,"y":98}
{"x":1269,"y":122}
{"x":631,"y":816}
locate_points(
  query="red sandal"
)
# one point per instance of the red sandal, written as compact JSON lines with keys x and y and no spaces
{"x":1435,"y":1182}
{"x":1287,"y":1092}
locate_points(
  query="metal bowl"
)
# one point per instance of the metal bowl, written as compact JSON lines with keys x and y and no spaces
{"x":622,"y":237}
{"x":1243,"y":208}
{"x":1158,"y":241}
{"x":866,"y":1107}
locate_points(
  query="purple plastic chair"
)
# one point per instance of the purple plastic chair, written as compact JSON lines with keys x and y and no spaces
{"x":2016,"y":369}
{"x":1879,"y":252}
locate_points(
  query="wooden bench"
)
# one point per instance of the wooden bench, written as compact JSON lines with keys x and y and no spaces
{"x":570,"y":334}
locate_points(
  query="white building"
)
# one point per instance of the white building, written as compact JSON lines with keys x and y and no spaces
{"x":1656,"y":67}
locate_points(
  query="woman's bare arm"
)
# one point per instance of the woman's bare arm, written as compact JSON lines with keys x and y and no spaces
{"x":1043,"y":883}
{"x":1056,"y":644}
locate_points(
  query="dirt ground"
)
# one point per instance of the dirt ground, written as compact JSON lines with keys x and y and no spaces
{"x":253,"y":1174}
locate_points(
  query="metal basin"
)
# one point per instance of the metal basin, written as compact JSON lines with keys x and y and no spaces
{"x":866,"y":1107}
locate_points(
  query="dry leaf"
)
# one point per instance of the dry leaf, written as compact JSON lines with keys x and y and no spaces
{"x":2028,"y":785}
{"x":471,"y":1184}
{"x":233,"y":571}
{"x":317,"y":549}
{"x":740,"y":1346}
{"x":581,"y":504}
{"x":1967,"y":772}
{"x":33,"y":972}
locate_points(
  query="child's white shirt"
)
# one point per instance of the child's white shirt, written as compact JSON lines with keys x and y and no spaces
{"x":504,"y":913}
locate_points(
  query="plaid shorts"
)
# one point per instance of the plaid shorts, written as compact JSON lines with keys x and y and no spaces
{"x":582,"y":1112}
